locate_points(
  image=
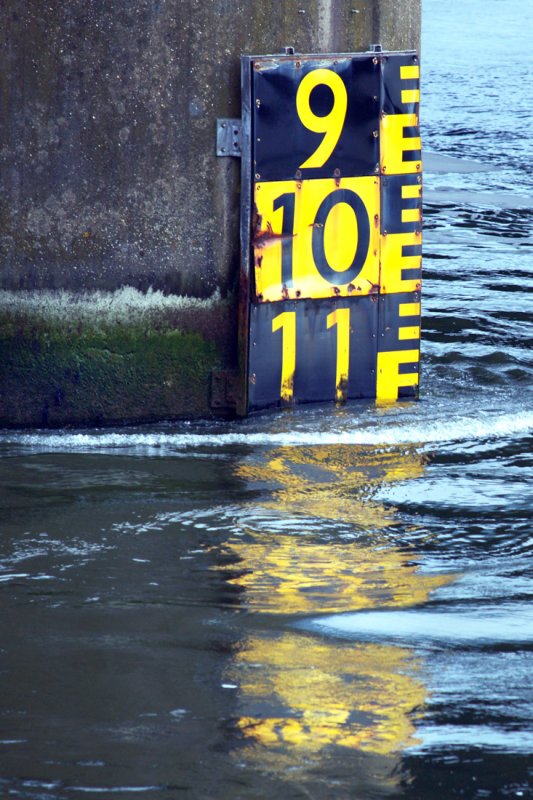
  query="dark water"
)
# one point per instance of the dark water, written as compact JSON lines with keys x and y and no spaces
{"x":320,"y":604}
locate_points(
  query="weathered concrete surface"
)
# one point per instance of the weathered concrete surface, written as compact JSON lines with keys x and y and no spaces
{"x":91,"y":358}
{"x":108,"y":171}
{"x":397,"y":24}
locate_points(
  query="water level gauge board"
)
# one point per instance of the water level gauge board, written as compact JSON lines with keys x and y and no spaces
{"x":332,"y":219}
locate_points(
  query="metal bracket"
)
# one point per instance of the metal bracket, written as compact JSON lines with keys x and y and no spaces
{"x":224,"y":388}
{"x":229,"y":137}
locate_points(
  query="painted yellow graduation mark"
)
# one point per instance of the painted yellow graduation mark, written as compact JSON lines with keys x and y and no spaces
{"x":389,"y":380}
{"x":410,"y":72}
{"x":395,"y":130}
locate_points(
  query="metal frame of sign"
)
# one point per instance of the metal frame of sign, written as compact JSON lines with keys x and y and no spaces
{"x":330,"y":228}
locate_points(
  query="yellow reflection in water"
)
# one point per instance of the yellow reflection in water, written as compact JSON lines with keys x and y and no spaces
{"x":284,"y":574}
{"x":288,"y":573}
{"x":301,"y":697}
{"x":314,"y":694}
{"x":333,"y":482}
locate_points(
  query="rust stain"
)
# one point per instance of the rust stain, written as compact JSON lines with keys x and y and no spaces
{"x":257,"y":220}
{"x":342,"y":386}
{"x":262,"y":238}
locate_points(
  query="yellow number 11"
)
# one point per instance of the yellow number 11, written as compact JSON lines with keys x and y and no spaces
{"x":286,"y":322}
{"x":341,"y":318}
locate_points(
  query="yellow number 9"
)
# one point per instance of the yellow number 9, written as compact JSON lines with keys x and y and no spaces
{"x":331,"y":124}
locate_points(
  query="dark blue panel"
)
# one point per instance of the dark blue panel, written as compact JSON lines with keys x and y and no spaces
{"x":315,"y":349}
{"x":281,"y":143}
{"x":393,"y":204}
{"x":394,"y":85}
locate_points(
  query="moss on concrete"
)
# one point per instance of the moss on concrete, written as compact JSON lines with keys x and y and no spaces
{"x":55,"y":374}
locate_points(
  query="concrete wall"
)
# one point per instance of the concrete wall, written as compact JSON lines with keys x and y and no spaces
{"x":119,"y":242}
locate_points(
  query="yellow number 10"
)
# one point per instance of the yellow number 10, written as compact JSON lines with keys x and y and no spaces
{"x":330,"y":124}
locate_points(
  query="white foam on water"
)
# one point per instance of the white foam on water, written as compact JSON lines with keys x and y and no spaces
{"x":13,"y":576}
{"x":485,"y":736}
{"x":381,"y":432}
{"x":114,"y":789}
{"x":511,"y":623}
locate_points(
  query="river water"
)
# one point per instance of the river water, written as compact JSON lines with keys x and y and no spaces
{"x":326,"y":603}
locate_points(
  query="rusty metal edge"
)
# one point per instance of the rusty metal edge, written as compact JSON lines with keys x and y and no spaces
{"x":329,"y":56}
{"x":246,"y":211}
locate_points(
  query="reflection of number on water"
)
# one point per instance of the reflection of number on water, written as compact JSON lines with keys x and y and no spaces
{"x":330,"y":124}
